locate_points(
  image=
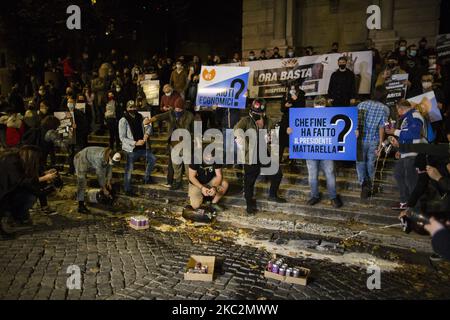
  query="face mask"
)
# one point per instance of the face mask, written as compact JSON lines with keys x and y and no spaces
{"x":413,"y":53}
{"x":178,"y":114}
{"x":251,"y":58}
{"x":168,"y":94}
{"x":256,"y":116}
{"x":118,"y":89}
{"x":290,"y":54}
{"x":71,"y":106}
{"x":402,"y":49}
{"x":132,"y":112}
{"x":427,"y":85}
{"x":342,"y":66}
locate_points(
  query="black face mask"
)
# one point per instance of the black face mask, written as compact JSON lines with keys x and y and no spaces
{"x":342,"y":67}
{"x":256,"y":116}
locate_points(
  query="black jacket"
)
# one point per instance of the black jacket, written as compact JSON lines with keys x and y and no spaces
{"x":441,"y":243}
{"x":13,"y":176}
{"x":342,"y":88}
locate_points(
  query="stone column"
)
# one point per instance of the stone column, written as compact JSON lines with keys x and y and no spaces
{"x":385,"y":38}
{"x":387,"y":14}
{"x":290,"y":22}
{"x":279,"y":23}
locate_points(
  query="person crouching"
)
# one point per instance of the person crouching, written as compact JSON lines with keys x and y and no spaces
{"x":94,"y":158}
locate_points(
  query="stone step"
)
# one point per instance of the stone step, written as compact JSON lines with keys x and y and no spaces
{"x":371,"y":212}
{"x":357,"y":237}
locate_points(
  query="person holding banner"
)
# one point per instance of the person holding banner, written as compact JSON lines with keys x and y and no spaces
{"x":295,"y":98}
{"x":256,"y":120}
{"x":327,"y":166}
{"x":342,"y":88}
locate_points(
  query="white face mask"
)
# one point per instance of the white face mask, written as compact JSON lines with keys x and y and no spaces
{"x":290,"y":54}
{"x":71,"y":106}
{"x":427,"y":85}
{"x":168,"y":94}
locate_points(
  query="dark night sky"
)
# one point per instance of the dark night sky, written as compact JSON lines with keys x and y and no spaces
{"x":174,"y":25}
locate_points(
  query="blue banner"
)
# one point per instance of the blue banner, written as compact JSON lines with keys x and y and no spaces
{"x":225,"y":87}
{"x":323,"y":133}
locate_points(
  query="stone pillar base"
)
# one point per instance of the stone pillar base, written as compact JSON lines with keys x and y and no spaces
{"x":384,"y":40}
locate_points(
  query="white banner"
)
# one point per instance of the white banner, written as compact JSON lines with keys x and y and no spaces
{"x":270,"y":78}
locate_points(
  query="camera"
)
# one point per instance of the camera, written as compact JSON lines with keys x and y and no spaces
{"x":415,"y":220}
{"x":55,"y":186}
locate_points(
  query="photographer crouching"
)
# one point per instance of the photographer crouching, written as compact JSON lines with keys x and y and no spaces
{"x":20,"y":187}
{"x":429,"y":205}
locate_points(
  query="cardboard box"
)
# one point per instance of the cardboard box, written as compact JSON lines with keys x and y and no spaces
{"x":303,"y":281}
{"x":204,"y":260}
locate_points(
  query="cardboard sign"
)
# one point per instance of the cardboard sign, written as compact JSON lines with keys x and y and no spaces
{"x":323,"y":133}
{"x":430,"y":101}
{"x":151,"y":91}
{"x":396,"y":88}
{"x":225,"y":87}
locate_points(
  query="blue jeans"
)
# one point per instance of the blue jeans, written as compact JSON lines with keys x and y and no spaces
{"x":366,"y":168}
{"x":327,"y":167}
{"x":131,"y":158}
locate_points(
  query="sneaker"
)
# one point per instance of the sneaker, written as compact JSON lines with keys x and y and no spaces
{"x":149,"y":181}
{"x":175,"y":186}
{"x":313,"y":201}
{"x":167,"y":185}
{"x":130,"y":194}
{"x":48,"y":211}
{"x":337,"y":202}
{"x":277,"y":199}
{"x":436,"y":258}
{"x":217,"y":207}
{"x":365,"y":192}
{"x":399,"y":207}
{"x":83,"y":209}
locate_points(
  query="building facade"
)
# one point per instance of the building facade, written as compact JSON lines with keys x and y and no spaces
{"x":319,"y":23}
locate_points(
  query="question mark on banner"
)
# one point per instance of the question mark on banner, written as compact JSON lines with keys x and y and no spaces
{"x":344,"y":133}
{"x":241,"y":89}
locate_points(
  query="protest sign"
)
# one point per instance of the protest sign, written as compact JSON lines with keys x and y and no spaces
{"x":151,"y":91}
{"x":430,"y":102}
{"x":443,"y":47}
{"x":396,"y":88}
{"x":270,"y":78}
{"x":323,"y":133}
{"x":223,"y":86}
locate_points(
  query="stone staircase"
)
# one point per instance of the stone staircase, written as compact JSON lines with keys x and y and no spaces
{"x":294,"y":187}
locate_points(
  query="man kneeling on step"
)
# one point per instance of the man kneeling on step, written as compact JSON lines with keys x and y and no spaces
{"x":206,"y":180}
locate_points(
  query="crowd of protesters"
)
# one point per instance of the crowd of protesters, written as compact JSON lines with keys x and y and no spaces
{"x":103,"y":94}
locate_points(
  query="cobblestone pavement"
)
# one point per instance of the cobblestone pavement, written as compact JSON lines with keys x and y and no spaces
{"x":119,"y":263}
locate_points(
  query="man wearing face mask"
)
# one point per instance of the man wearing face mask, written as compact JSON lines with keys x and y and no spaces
{"x":342,"y":88}
{"x":167,"y":102}
{"x":112,"y":114}
{"x":257,"y":120}
{"x":179,"y":79}
{"x":251,"y":56}
{"x":392,"y":68}
{"x":401,"y":51}
{"x":100,"y":160}
{"x":413,"y":68}
{"x":176,"y":118}
{"x":276,"y":54}
{"x":134,"y":137}
{"x":290,"y":53}
{"x":41,"y":95}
